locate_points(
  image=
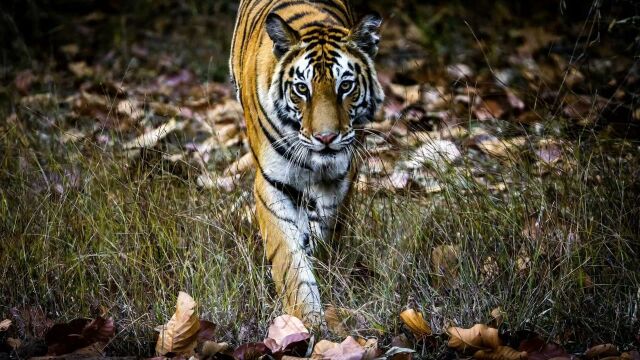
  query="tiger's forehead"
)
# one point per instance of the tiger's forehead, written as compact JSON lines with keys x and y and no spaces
{"x":324,"y":55}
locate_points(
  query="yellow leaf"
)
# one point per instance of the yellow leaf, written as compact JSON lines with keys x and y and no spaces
{"x":416,"y":323}
{"x":179,"y":335}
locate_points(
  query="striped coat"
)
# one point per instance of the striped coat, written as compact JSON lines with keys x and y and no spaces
{"x":304,"y":74}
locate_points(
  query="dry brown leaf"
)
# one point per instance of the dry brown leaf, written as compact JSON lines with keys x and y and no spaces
{"x":500,"y":353}
{"x":80,"y":69}
{"x":151,"y":138}
{"x":444,"y":262}
{"x":437,"y":153}
{"x":180,"y":334}
{"x":416,"y":323}
{"x":498,"y":316}
{"x":371,"y":350}
{"x":14,"y":343}
{"x":284,"y":331}
{"x":240,"y":166}
{"x":337,"y":319}
{"x":502,"y":149}
{"x":349,"y":349}
{"x":630,"y":355}
{"x":130,"y":108}
{"x":601,"y":351}
{"x":478,"y":337}
{"x":4,"y":324}
{"x":489,"y":109}
{"x":410,"y":94}
{"x":211,"y":348}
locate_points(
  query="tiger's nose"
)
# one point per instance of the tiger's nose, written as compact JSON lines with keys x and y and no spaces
{"x":326,"y":137}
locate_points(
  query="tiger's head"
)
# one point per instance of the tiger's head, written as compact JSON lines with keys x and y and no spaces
{"x":324,"y":87}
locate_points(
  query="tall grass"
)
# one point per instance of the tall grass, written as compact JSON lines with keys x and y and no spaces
{"x":82,"y":227}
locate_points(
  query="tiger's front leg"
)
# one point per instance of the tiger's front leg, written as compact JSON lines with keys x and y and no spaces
{"x":285,"y":232}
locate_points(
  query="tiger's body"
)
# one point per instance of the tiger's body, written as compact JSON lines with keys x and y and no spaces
{"x":303,"y":72}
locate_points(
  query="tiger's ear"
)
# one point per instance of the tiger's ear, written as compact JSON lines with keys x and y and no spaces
{"x":282,"y":35}
{"x":366,"y":34}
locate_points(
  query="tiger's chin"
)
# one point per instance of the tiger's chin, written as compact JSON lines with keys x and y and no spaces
{"x":330,"y":164}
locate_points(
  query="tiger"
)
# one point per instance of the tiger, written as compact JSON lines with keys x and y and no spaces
{"x":304,"y":74}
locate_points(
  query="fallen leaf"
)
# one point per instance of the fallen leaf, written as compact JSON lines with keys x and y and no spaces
{"x":601,"y":351}
{"x":444,"y":262}
{"x":77,"y":334}
{"x":207,"y":331}
{"x":549,"y":151}
{"x":630,"y":355}
{"x":4,"y":325}
{"x":478,"y":337}
{"x":538,"y":349}
{"x":398,"y":353}
{"x":349,"y":349}
{"x":23,"y":81}
{"x":130,"y":108}
{"x":371,"y":350}
{"x":498,"y":317}
{"x":240,"y":166}
{"x":502,"y":149}
{"x":437,"y":153}
{"x":286,"y":332}
{"x":337,"y":319}
{"x":151,"y":138}
{"x":251,"y":351}
{"x":215,"y":350}
{"x":488,"y":109}
{"x":14,"y":343}
{"x":179,"y":335}
{"x":410,"y":94}
{"x":500,"y":353}
{"x":416,"y":323}
{"x":80,"y":69}
{"x":459,"y":71}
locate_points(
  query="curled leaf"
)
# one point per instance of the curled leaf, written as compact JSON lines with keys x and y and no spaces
{"x":4,"y":324}
{"x":180,"y":334}
{"x":416,"y":323}
{"x":285,"y":333}
{"x":500,"y":353}
{"x":601,"y":351}
{"x":478,"y":337}
{"x":251,"y":351}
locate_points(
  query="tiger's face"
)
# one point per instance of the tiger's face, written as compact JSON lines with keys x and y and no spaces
{"x":324,"y":88}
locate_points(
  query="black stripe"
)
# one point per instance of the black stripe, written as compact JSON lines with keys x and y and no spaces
{"x":273,"y":212}
{"x":312,"y":24}
{"x":273,"y":254}
{"x":297,"y":16}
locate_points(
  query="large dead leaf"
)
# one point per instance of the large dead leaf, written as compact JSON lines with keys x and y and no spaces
{"x":349,"y":349}
{"x":285,"y":333}
{"x":601,"y":351}
{"x":180,"y":334}
{"x":251,"y":351}
{"x":4,"y":325}
{"x":500,"y":353}
{"x":79,"y":333}
{"x":504,"y":149}
{"x":478,"y":337}
{"x":416,"y":323}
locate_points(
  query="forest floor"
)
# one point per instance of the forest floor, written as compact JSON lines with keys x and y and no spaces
{"x":501,"y":172}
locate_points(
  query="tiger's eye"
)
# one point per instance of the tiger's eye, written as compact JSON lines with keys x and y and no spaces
{"x":302,"y":88}
{"x":346,"y":86}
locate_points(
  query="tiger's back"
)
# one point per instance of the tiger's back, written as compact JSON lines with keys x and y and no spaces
{"x":304,"y":75}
